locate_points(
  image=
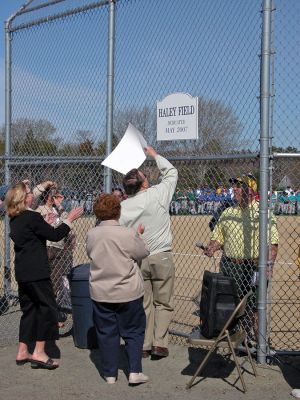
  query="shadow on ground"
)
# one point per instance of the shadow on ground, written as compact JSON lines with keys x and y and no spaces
{"x":219,"y":366}
{"x":290,"y":368}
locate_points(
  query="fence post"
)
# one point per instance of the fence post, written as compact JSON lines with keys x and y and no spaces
{"x":8,"y":39}
{"x":110,"y":93}
{"x":264,"y":176}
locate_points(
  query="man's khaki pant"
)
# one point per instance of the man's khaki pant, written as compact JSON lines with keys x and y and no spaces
{"x":159,"y":274}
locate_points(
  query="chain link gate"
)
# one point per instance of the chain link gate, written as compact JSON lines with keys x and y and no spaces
{"x":208,"y":49}
{"x":283,"y":294}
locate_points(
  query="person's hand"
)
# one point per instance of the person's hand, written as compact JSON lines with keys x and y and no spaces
{"x":50,"y":218}
{"x":49,"y":184}
{"x":208,"y":252}
{"x":212,"y":248}
{"x":141,"y":229}
{"x":149,"y":151}
{"x":75,"y":213}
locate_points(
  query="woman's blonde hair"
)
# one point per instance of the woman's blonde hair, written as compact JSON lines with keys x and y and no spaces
{"x":15,"y":200}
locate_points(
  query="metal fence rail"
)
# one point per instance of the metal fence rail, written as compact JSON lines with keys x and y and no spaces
{"x":75,"y":77}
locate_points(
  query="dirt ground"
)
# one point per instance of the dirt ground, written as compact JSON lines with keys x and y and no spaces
{"x":78,"y":377}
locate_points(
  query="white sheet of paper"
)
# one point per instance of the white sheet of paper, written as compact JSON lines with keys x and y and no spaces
{"x":129,"y":152}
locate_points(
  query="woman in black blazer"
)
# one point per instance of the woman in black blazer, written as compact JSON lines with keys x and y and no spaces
{"x":29,"y":231}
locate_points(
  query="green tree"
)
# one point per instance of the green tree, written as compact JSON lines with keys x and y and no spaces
{"x":289,"y":149}
{"x":85,"y":143}
{"x":32,"y":137}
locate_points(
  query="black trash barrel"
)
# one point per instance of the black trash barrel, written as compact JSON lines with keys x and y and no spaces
{"x":84,"y":333}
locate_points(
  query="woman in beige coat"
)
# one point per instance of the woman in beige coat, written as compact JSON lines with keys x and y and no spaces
{"x":117,"y":289}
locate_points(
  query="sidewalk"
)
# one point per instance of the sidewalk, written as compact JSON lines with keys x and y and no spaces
{"x":78,"y":378}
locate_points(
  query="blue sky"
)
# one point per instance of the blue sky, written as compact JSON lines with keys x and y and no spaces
{"x":7,"y":8}
{"x":208,"y":49}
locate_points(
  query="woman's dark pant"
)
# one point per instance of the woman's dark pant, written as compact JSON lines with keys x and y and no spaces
{"x":113,"y":321}
{"x":39,"y":311}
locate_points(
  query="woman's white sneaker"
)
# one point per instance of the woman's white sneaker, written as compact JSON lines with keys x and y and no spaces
{"x":296,"y":393}
{"x":110,"y":380}
{"x":136,"y":378}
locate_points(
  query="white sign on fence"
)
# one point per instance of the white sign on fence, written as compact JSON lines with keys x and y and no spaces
{"x":177,"y":117}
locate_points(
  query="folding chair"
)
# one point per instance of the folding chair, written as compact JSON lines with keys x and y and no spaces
{"x":224,"y":340}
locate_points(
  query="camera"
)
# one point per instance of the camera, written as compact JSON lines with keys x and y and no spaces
{"x":53,"y":192}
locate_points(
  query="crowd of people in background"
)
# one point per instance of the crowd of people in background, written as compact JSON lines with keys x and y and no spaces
{"x":203,"y":200}
{"x":200,"y":201}
{"x":206,"y":201}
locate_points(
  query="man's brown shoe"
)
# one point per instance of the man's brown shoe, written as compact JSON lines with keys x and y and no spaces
{"x":159,"y":351}
{"x":146,"y":353}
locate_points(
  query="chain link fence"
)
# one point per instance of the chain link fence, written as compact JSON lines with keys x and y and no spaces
{"x":207,"y":49}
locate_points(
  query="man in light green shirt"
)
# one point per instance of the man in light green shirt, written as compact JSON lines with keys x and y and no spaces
{"x":237,"y":230}
{"x":237,"y":234}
